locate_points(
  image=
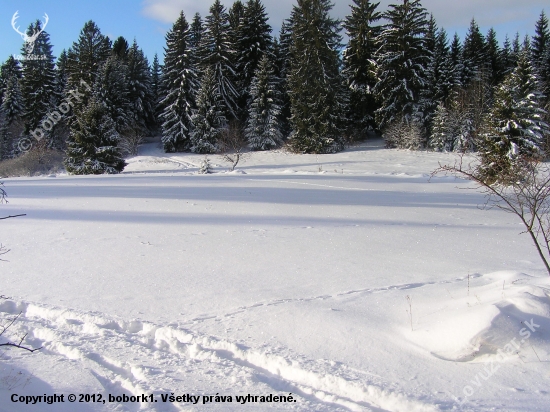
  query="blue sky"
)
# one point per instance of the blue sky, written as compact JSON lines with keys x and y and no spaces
{"x":148,"y":20}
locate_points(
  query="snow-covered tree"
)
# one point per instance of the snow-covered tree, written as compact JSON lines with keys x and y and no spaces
{"x":495,"y":66}
{"x":402,"y":63}
{"x":92,"y":144}
{"x":455,"y":55}
{"x":111,"y":91}
{"x":38,"y":85}
{"x":263,"y":128}
{"x":196,"y":31}
{"x":156,"y":88}
{"x":515,"y":125}
{"x":86,"y":56}
{"x":281,"y":52}
{"x":253,"y":41}
{"x":179,"y":85}
{"x":217,"y":52}
{"x":316,"y":87}
{"x":208,"y":120}
{"x":140,"y":94}
{"x":121,"y":48}
{"x":474,"y":55}
{"x":441,"y":139}
{"x":541,"y":41}
{"x":359,"y":64}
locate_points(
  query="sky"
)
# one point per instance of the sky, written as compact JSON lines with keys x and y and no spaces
{"x":148,"y":20}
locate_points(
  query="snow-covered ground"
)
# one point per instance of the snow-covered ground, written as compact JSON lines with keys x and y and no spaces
{"x":347,"y":281}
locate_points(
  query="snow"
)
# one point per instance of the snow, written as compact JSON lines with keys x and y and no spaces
{"x":288,"y":276}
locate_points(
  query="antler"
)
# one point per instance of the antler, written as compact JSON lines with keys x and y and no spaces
{"x":36,"y":32}
{"x":13,"y":20}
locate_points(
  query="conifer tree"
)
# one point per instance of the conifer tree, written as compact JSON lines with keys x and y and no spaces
{"x":86,"y":56}
{"x":156,"y":88}
{"x":92,"y":144}
{"x":515,"y":124}
{"x":262,"y":128}
{"x":140,"y":94}
{"x":179,"y":85}
{"x":38,"y":84}
{"x":508,"y":63}
{"x":282,"y":65}
{"x":121,"y":48}
{"x":217,"y":52}
{"x":196,"y":31}
{"x":111,"y":91}
{"x":440,"y":139}
{"x":208,"y":120}
{"x":540,"y":41}
{"x":11,"y":67}
{"x":474,"y":55}
{"x":359,"y":65}
{"x":495,"y":65}
{"x":456,"y":60}
{"x":253,"y":41}
{"x":402,"y":61}
{"x":61,"y":72}
{"x":315,"y":84}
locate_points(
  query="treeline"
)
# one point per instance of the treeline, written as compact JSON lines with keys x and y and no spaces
{"x":399,"y":75}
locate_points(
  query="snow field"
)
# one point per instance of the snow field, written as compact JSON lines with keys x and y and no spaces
{"x":289,"y":277}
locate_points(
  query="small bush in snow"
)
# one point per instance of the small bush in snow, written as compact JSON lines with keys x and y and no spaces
{"x":402,"y":135}
{"x":205,"y":167}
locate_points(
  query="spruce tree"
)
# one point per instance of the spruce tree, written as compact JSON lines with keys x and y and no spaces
{"x":282,"y":65}
{"x":179,"y":85}
{"x":253,"y":41}
{"x":506,"y":57}
{"x":263,"y":128}
{"x":11,"y":67}
{"x":111,"y":91}
{"x":515,"y":125}
{"x":92,"y":144}
{"x":315,"y":83}
{"x":86,"y":56}
{"x":38,"y":85}
{"x":208,"y":119}
{"x":440,"y":139}
{"x":402,"y":62}
{"x":474,"y":55}
{"x":121,"y":48}
{"x":217,"y":52}
{"x":456,"y":60}
{"x":359,"y":65}
{"x":156,"y":88}
{"x":140,"y":94}
{"x":196,"y":31}
{"x":541,"y":41}
{"x":495,"y":65}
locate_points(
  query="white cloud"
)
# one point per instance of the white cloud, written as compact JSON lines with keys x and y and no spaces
{"x":514,"y":15}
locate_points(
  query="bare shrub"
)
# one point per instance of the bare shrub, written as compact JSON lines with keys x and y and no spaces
{"x":130,"y":141}
{"x":232,"y":144}
{"x":39,"y":160}
{"x":402,"y":135}
{"x":522,"y":188}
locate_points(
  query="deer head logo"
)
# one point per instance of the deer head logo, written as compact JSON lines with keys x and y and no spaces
{"x":29,"y":40}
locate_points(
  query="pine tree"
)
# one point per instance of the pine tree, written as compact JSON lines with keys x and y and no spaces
{"x":86,"y":56}
{"x":140,"y":94}
{"x":92,"y":144}
{"x":179,"y":85}
{"x":111,"y":91}
{"x":38,"y":85}
{"x":508,"y":63}
{"x":208,"y":120}
{"x":217,"y":53}
{"x":402,"y":61}
{"x":315,"y":83}
{"x":359,"y":65}
{"x":541,"y":41}
{"x":515,"y":125}
{"x":253,"y":41}
{"x":262,"y":128}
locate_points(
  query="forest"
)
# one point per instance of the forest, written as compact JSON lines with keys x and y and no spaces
{"x":227,"y":78}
